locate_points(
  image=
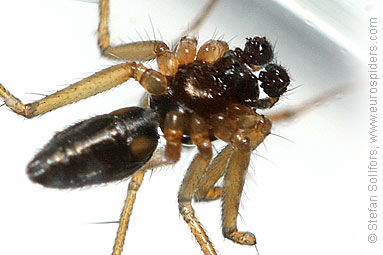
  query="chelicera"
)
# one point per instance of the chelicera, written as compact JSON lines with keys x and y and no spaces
{"x":196,"y":97}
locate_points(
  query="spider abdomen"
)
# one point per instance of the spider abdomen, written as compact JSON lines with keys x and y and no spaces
{"x":102,"y":149}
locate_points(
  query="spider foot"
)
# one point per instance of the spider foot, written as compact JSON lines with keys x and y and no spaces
{"x":244,"y":238}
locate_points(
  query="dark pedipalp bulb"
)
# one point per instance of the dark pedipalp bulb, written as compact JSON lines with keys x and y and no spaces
{"x":274,"y":80}
{"x":258,"y":51}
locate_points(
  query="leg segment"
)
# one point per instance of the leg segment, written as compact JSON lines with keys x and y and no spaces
{"x":157,"y":160}
{"x":186,"y":50}
{"x":139,"y":51}
{"x":106,"y":79}
{"x":200,"y":136}
{"x":206,"y":190}
{"x":212,"y":50}
{"x":308,"y":105}
{"x":189,"y":185}
{"x":226,"y":127}
{"x":243,"y":142}
{"x":168,"y":62}
{"x":134,"y":185}
{"x":233,"y":185}
{"x":173,"y":131}
{"x":136,"y":51}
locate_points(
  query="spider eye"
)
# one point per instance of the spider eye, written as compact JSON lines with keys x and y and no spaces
{"x":258,"y":51}
{"x":274,"y":80}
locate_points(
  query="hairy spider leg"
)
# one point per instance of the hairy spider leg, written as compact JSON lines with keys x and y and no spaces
{"x":225,"y":126}
{"x":157,"y":160}
{"x":250,"y":129}
{"x":173,"y":131}
{"x":153,"y":81}
{"x":232,"y":162}
{"x":206,"y":190}
{"x":143,"y":50}
{"x":220,"y":165}
{"x":309,"y":105}
{"x":235,"y":178}
{"x":134,"y":185}
{"x":200,"y":137}
{"x":135,"y":51}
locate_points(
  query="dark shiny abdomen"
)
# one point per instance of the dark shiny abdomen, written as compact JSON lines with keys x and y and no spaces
{"x":102,"y":149}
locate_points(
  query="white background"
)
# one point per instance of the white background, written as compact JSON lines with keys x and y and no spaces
{"x":304,"y":195}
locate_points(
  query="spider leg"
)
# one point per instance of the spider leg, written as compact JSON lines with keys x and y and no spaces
{"x":173,"y":130}
{"x":134,"y":185}
{"x":243,"y":142}
{"x":197,"y":22}
{"x":156,"y":161}
{"x":206,"y":190}
{"x":212,"y":50}
{"x":308,"y":105}
{"x":153,"y":81}
{"x":233,"y":184}
{"x":135,"y":51}
{"x":200,"y":136}
{"x":189,"y":184}
{"x":227,"y":128}
{"x":143,"y":50}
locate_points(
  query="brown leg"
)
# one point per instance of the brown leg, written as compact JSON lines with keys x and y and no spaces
{"x":186,"y":50}
{"x":233,"y":185}
{"x":134,"y":185}
{"x":147,"y":50}
{"x":206,"y":190}
{"x":169,"y":61}
{"x":212,"y":50}
{"x":157,"y":160}
{"x":200,"y":136}
{"x":189,"y":185}
{"x":151,"y":80}
{"x":136,"y":51}
{"x":225,"y":126}
{"x":243,"y":143}
{"x":173,"y":131}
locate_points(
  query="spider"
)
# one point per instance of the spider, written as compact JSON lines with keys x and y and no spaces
{"x":231,"y":119}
